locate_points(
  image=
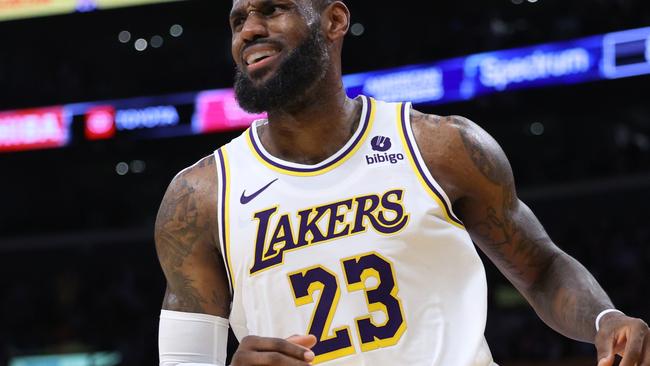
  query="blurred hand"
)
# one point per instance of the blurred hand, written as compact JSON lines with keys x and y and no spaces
{"x":623,"y":336}
{"x":293,"y":351}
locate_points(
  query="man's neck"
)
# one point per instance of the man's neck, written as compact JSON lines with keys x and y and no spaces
{"x":314,"y":132}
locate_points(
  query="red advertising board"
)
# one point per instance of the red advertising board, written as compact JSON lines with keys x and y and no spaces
{"x":33,"y":129}
{"x":100,"y":123}
{"x":219,"y":111}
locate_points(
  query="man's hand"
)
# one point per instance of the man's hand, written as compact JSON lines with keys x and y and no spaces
{"x":625,"y":336}
{"x":294,"y":351}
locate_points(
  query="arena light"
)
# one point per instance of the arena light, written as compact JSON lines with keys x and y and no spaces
{"x":20,"y":9}
{"x":626,"y":53}
{"x":79,"y":359}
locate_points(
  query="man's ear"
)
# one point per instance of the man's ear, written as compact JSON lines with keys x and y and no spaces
{"x":336,"y":21}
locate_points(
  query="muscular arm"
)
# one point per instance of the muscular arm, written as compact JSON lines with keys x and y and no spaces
{"x":187,"y":244}
{"x":475,"y":172}
{"x":188,"y":250}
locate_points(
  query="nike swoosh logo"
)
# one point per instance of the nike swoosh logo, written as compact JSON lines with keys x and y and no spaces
{"x":246,"y":199}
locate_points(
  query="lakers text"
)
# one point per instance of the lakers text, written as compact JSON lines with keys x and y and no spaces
{"x":384,"y":213}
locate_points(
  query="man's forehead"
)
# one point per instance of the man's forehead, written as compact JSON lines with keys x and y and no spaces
{"x":247,"y":3}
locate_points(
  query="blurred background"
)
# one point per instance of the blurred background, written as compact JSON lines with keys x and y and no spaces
{"x":103,"y":105}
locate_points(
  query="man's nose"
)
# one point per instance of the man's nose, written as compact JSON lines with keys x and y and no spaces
{"x":254,"y":27}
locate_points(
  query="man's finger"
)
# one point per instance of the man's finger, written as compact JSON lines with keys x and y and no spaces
{"x":282,"y":346}
{"x":269,"y":359}
{"x":633,"y":348}
{"x":607,"y":361}
{"x":646,"y":351}
{"x":307,"y":341}
{"x":605,"y":348}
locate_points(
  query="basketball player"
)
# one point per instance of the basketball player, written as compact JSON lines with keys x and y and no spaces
{"x":340,"y":231}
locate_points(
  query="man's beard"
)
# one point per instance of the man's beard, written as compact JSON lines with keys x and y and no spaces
{"x":304,"y":67}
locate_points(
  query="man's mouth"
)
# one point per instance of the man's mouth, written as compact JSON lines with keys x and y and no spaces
{"x":259,"y":57}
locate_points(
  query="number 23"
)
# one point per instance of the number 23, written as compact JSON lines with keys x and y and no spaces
{"x":382,"y":297}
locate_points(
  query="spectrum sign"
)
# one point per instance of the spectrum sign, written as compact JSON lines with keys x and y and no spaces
{"x":34,"y":129}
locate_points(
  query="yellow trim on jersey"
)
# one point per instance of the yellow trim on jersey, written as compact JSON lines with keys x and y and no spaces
{"x":371,"y":108}
{"x":421,"y":178}
{"x":226,"y":218}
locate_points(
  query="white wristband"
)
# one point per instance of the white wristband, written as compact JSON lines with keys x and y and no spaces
{"x":603,"y":313}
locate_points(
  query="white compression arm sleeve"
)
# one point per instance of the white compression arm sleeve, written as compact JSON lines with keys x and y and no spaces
{"x":186,"y":339}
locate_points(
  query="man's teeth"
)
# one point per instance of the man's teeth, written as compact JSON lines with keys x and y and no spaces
{"x":259,"y":56}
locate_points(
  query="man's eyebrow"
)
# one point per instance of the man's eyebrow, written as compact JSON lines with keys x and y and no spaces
{"x":240,"y":11}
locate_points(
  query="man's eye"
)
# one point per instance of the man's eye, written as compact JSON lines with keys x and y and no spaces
{"x":274,"y":9}
{"x":237,"y":22}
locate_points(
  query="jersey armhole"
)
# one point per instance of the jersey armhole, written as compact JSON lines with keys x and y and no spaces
{"x":419,"y":166}
{"x":223,"y":212}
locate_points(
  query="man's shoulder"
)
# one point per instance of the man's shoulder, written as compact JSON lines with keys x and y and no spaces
{"x":198,"y":180}
{"x":453,"y":147}
{"x":441,"y":138}
{"x":205,"y":168}
{"x":443,"y":127}
{"x":191,"y":198}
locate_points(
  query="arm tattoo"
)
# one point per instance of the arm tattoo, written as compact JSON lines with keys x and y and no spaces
{"x":189,"y":300}
{"x":179,"y":228}
{"x":206,"y":162}
{"x":489,"y":166}
{"x":179,"y":231}
{"x":560,"y":289}
{"x":522,"y":256}
{"x":417,"y":117}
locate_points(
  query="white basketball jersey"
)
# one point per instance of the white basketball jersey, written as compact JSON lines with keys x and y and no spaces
{"x":361,"y":250}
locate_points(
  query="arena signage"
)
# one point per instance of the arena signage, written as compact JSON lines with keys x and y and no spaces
{"x":562,"y":63}
{"x":415,"y":85}
{"x":100,"y":123}
{"x":218,"y":110}
{"x":467,"y":77}
{"x":33,"y":129}
{"x":146,"y":118}
{"x":610,"y":56}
